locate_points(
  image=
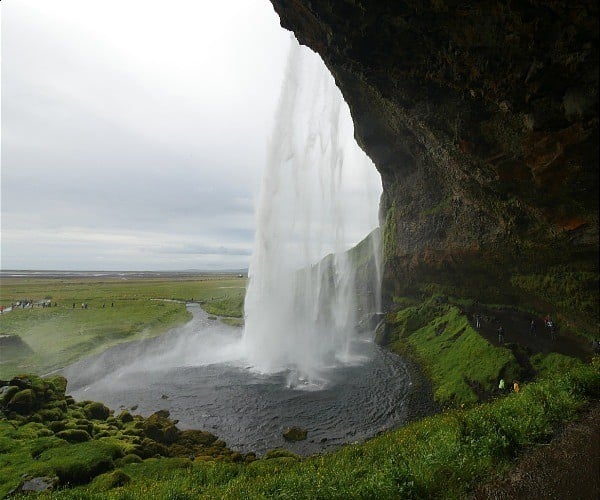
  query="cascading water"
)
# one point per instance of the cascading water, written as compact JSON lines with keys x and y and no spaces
{"x":301,"y":308}
{"x":307,"y":304}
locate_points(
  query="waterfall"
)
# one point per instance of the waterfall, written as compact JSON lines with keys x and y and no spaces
{"x":301,"y":304}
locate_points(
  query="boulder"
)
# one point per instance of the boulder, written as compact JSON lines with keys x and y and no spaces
{"x":295,"y":434}
{"x":96,"y":411}
{"x":22,"y":402}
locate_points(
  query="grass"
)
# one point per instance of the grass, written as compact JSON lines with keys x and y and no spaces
{"x":461,"y":364}
{"x":443,"y":456}
{"x":56,"y":336}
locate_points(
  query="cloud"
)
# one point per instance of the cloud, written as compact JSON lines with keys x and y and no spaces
{"x":129,"y":129}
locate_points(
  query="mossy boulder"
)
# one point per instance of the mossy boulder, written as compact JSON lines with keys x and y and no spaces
{"x":194,"y":437}
{"x":96,"y":411}
{"x":79,"y":463}
{"x":159,"y":428}
{"x":74,"y":435}
{"x":125,"y":417}
{"x":110,"y":480}
{"x":22,"y":402}
{"x":59,"y":384}
{"x":7,"y":392}
{"x":294,"y":434}
{"x":50,"y":414}
{"x":149,"y":448}
{"x":280,"y":453}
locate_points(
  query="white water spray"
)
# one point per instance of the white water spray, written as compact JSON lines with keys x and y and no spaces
{"x":301,"y":309}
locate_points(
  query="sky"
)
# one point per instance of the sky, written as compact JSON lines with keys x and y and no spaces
{"x":134,"y":132}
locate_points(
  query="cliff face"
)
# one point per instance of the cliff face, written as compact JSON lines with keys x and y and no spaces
{"x":481,"y":118}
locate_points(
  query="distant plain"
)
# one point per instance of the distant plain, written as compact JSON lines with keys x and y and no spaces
{"x":118,"y":310}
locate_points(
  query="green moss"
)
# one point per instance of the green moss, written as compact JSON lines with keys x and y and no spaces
{"x":22,"y":401}
{"x":96,"y":411}
{"x":462,"y":366}
{"x":74,"y":435}
{"x":554,"y":363}
{"x":109,"y":480}
{"x":280,"y":453}
{"x":78,"y":463}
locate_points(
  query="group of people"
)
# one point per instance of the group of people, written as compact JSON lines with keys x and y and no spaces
{"x":549,"y":324}
{"x":84,"y":305}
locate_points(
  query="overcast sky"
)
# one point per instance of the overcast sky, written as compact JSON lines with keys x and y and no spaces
{"x":134,"y":132}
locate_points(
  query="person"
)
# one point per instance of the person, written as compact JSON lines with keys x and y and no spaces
{"x":501,"y":385}
{"x":516,"y":386}
{"x":596,"y":346}
{"x":477,"y":321}
{"x":548,"y":321}
{"x":500,"y":335}
{"x":532,"y":327}
{"x":552,"y":330}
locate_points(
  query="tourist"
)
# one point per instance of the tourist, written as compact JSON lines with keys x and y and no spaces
{"x":516,"y":386}
{"x":501,"y":385}
{"x":477,"y":321}
{"x":553,"y":333}
{"x":500,"y":335}
{"x":532,"y":327}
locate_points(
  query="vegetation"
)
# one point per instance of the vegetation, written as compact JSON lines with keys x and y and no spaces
{"x":86,"y":451}
{"x":460,"y":363}
{"x":118,"y":311}
{"x":445,"y":455}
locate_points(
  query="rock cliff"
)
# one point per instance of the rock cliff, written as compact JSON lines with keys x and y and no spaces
{"x":481,"y":118}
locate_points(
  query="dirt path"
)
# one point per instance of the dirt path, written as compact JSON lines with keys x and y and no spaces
{"x":516,"y":326}
{"x":567,"y":468}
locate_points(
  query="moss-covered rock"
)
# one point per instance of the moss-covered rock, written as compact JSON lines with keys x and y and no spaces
{"x":159,"y":428}
{"x":150,"y":448}
{"x":280,"y":453}
{"x":59,"y":384}
{"x":96,"y":411}
{"x":74,"y":435}
{"x":294,"y":434}
{"x":50,"y":414}
{"x":130,"y":458}
{"x":109,"y":480}
{"x":7,"y":392}
{"x":22,"y":402}
{"x":125,"y":417}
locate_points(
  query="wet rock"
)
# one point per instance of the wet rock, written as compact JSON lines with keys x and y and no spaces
{"x":37,"y":485}
{"x":295,"y":434}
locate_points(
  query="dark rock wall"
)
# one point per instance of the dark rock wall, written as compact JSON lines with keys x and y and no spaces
{"x":482,"y":119}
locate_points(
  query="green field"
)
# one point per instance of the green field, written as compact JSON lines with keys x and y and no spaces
{"x":118,"y":311}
